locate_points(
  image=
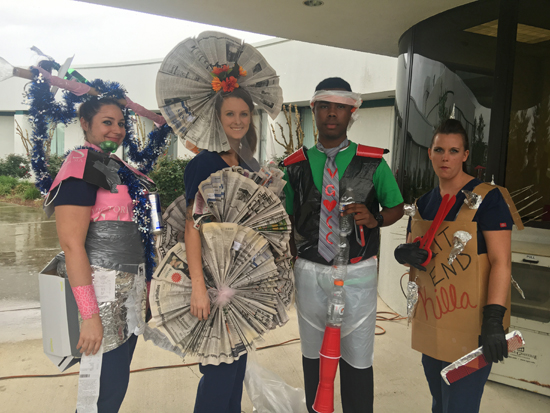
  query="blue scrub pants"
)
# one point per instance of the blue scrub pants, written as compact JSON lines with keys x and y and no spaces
{"x":221,"y":387}
{"x":462,"y":396}
{"x":115,"y":375}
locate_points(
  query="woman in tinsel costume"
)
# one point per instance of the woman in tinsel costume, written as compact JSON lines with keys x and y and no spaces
{"x":103,"y":219}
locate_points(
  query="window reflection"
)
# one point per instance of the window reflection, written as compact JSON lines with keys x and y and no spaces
{"x":435,"y":91}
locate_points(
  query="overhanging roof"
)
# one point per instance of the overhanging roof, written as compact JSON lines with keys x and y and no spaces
{"x":373,"y":26}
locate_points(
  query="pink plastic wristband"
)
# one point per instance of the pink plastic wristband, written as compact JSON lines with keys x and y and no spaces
{"x":86,"y":301}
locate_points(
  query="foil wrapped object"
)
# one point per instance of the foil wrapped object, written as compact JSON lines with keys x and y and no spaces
{"x":516,"y":285}
{"x":412,"y":300}
{"x":126,"y":314}
{"x":473,"y":200}
{"x":475,"y":360}
{"x":460,"y":239}
{"x":409,"y":210}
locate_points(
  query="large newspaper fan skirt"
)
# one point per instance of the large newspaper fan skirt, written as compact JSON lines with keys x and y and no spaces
{"x":246,"y":264}
{"x":184,"y":86}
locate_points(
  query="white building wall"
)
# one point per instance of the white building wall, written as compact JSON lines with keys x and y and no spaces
{"x":302,"y":66}
{"x":6,"y":132}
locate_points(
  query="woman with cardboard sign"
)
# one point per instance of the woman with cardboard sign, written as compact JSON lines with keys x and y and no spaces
{"x":461,"y":261}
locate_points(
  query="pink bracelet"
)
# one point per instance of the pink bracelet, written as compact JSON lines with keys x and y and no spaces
{"x":86,"y":300}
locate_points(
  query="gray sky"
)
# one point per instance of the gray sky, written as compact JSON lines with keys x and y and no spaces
{"x":94,"y":34}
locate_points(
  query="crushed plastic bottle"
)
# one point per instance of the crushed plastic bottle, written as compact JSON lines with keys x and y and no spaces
{"x":341,"y":259}
{"x":346,"y":221}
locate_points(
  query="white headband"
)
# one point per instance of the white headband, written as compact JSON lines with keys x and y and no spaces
{"x":339,"y":96}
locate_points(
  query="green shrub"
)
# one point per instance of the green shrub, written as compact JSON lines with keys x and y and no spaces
{"x":22,"y":187}
{"x":8,"y":181}
{"x":31,"y":193}
{"x":17,"y":166}
{"x":168,"y":175}
{"x":5,"y":189}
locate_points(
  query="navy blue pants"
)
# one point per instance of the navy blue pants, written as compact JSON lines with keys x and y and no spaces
{"x":221,"y":387}
{"x":462,"y":396}
{"x":115,"y":375}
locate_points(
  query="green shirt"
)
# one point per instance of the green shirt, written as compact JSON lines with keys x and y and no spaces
{"x":387,"y":191}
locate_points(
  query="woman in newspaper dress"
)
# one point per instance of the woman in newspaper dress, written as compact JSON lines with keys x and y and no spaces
{"x":103,"y":248}
{"x":465,"y":302}
{"x":220,"y":388}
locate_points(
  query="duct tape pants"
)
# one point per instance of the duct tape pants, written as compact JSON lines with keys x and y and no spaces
{"x":313,"y":287}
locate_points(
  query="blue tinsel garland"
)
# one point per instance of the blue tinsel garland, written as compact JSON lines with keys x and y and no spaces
{"x":142,"y":216}
{"x":44,"y":109}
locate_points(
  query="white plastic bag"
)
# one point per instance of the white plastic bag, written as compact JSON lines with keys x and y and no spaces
{"x":269,"y":393}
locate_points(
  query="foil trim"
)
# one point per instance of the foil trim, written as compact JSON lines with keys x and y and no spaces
{"x":517,"y":287}
{"x":412,"y":300}
{"x":460,"y":239}
{"x":409,"y":210}
{"x":472,"y":199}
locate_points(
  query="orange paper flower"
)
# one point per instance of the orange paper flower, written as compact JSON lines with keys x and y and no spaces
{"x":218,"y":70}
{"x":242,"y":72}
{"x":216,"y":84}
{"x":229,"y":84}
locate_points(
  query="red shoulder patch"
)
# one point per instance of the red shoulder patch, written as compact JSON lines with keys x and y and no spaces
{"x":298,"y":156}
{"x":370,"y":151}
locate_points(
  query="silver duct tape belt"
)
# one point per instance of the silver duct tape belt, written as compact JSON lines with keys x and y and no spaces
{"x":115,"y":245}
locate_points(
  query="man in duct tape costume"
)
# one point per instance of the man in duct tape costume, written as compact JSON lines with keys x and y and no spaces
{"x":317,"y":177}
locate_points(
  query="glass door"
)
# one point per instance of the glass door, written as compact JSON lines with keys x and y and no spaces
{"x":528,"y":155}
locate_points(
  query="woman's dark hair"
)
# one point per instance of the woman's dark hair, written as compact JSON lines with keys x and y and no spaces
{"x":453,"y":126}
{"x":90,"y":108}
{"x":251,"y":137}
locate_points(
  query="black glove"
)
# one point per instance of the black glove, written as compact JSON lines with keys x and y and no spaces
{"x":495,"y":346}
{"x":411,"y":254}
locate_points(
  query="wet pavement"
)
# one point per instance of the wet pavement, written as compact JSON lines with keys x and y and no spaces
{"x":28,"y":241}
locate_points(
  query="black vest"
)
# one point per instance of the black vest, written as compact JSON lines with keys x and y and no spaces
{"x":307,"y":207}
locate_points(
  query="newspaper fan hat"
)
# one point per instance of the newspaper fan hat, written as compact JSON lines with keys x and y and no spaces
{"x":197,"y":71}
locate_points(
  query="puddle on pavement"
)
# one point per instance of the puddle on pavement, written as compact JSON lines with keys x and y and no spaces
{"x":28,"y":242}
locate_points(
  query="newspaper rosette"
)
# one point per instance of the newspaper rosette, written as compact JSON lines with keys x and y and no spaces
{"x":249,"y":199}
{"x":460,"y":239}
{"x":242,"y":279}
{"x":269,"y":176}
{"x":173,"y":230}
{"x":185,"y":92}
